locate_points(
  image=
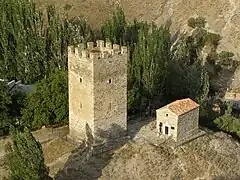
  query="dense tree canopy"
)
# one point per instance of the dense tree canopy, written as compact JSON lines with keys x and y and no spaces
{"x":10,"y":107}
{"x":5,"y":102}
{"x":30,"y":47}
{"x":49,"y":104}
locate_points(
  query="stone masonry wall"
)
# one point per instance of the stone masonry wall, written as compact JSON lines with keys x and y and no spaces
{"x":80,"y":75}
{"x":188,"y":124}
{"x":110,"y":96}
{"x":97,"y":90}
{"x":168,"y":118}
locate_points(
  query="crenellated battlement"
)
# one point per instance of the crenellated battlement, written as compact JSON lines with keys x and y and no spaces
{"x":97,"y":51}
{"x":97,"y":73}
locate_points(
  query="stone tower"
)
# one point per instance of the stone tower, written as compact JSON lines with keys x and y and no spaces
{"x":97,"y":80}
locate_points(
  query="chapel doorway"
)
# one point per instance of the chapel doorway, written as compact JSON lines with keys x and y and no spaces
{"x":166,"y":130}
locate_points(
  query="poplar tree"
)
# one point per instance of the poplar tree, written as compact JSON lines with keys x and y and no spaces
{"x":114,"y":28}
{"x":5,"y":102}
{"x":150,"y":60}
{"x":187,"y":75}
{"x":30,"y":47}
{"x":25,"y":156}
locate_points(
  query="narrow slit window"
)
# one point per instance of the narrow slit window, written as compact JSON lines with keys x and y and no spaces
{"x":80,"y":79}
{"x":80,"y":105}
{"x":160,"y":127}
{"x":110,"y":81}
{"x":110,"y":106}
{"x":167,"y":115}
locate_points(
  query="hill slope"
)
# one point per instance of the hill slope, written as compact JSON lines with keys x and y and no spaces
{"x":223,"y":16}
{"x":205,"y":158}
{"x":212,"y":156}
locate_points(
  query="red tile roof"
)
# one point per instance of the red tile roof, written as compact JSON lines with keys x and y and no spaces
{"x":182,"y":106}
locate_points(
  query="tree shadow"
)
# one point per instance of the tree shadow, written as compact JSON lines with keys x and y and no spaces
{"x":222,"y":83}
{"x":83,"y":164}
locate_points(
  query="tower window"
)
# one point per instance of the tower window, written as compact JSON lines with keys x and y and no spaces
{"x":80,"y":105}
{"x":167,"y":115}
{"x":110,"y":81}
{"x":172,"y":128}
{"x":80,"y":80}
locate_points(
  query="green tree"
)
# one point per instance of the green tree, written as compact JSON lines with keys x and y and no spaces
{"x":114,"y":28}
{"x":49,"y":104}
{"x":152,"y":54}
{"x":228,"y":122}
{"x":21,"y":31}
{"x":30,"y":48}
{"x":11,"y":104}
{"x":187,"y":65}
{"x":18,"y":103}
{"x":5,"y":103}
{"x":25,"y":156}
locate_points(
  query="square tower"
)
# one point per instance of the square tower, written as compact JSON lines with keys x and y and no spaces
{"x":97,"y":82}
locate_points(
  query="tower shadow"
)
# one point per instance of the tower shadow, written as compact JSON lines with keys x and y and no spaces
{"x":84,"y":163}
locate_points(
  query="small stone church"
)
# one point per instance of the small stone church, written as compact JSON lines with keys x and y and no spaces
{"x":178,"y":119}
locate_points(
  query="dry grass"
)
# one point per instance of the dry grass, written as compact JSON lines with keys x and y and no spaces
{"x":55,"y":149}
{"x":96,"y":11}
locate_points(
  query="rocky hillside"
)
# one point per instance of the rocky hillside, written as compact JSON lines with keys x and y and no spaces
{"x":205,"y":158}
{"x":214,"y":156}
{"x":210,"y":157}
{"x":223,"y":16}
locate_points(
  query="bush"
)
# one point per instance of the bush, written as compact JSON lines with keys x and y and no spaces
{"x":213,"y":39}
{"x":228,"y":122}
{"x":198,"y":22}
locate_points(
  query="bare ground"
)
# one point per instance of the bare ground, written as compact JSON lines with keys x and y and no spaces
{"x":213,"y":156}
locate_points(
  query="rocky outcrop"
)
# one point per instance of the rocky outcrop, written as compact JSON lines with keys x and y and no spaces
{"x":223,"y":16}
